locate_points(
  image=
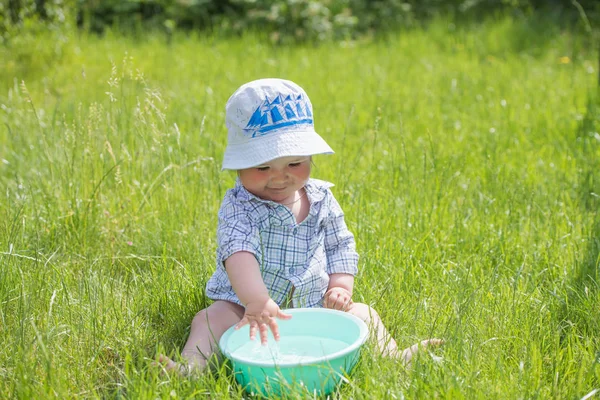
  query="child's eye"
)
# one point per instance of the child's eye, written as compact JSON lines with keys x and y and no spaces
{"x":294,"y":164}
{"x":266,"y":168}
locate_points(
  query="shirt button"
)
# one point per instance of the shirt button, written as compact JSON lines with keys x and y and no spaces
{"x":294,"y":231}
{"x":292,"y":270}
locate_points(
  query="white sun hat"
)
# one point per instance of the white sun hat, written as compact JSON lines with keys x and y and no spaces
{"x":267,"y":119}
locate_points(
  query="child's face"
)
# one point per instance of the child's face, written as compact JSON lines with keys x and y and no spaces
{"x":278,"y":180}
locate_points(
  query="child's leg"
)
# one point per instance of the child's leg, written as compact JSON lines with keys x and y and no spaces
{"x":385,"y":343}
{"x":207,"y":328}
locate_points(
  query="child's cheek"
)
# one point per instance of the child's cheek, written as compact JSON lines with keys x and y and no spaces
{"x":304,"y":171}
{"x":252,"y":176}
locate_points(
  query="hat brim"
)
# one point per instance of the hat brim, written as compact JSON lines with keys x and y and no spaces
{"x":260,"y":150}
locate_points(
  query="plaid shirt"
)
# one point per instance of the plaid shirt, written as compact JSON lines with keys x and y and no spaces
{"x":290,"y":255}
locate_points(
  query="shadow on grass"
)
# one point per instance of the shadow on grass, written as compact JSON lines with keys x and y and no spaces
{"x":589,"y":190}
{"x":582,"y":290}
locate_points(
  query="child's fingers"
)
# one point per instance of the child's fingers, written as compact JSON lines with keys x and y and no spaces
{"x":332,"y":299}
{"x":264,"y":333}
{"x":333,"y":302}
{"x":243,"y":322}
{"x":326,"y":299}
{"x":274,"y":328}
{"x":340,"y":302}
{"x":253,"y":329}
{"x":337,"y":299}
{"x":348,"y":304}
{"x":282,"y":315}
{"x":253,"y":326}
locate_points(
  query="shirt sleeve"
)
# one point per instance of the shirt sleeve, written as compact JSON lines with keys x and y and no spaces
{"x":340,"y":247}
{"x":235,"y":231}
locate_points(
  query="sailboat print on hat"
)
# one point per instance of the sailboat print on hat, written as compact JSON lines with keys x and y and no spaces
{"x":279,"y":113}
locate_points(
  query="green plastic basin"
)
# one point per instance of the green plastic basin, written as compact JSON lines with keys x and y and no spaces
{"x":318,"y":347}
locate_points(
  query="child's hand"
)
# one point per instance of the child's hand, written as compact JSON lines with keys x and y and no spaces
{"x":261,"y":314}
{"x":337,"y":298}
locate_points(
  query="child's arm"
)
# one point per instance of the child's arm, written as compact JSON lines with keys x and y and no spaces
{"x":342,"y":259}
{"x":245,"y":278}
{"x":343,"y":281}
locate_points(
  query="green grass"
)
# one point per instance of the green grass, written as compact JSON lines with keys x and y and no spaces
{"x":467,"y":161}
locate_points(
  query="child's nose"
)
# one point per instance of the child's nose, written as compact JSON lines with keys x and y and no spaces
{"x":279,"y":175}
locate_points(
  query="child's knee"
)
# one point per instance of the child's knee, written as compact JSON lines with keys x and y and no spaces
{"x":201,"y":317}
{"x":364,"y":312}
{"x":219,"y":311}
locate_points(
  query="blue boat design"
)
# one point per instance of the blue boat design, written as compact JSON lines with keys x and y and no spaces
{"x":279,"y":113}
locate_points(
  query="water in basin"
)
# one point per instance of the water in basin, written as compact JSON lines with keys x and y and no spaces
{"x":288,"y":350}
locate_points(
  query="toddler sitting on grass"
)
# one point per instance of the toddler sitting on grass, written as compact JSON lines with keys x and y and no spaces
{"x":282,"y":239}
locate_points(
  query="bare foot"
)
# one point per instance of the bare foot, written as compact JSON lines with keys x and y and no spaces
{"x":170,"y":366}
{"x":407,"y":354}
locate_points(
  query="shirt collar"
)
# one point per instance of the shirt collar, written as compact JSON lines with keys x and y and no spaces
{"x":315,"y":191}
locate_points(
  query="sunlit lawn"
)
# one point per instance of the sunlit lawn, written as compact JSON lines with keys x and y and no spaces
{"x":467,"y":162}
